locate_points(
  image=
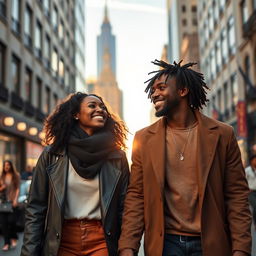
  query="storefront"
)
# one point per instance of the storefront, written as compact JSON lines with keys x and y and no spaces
{"x":20,"y":141}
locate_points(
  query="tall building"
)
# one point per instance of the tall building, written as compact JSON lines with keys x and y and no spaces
{"x":106,"y":85}
{"x":39,"y":45}
{"x":182,"y":23}
{"x":106,"y":41}
{"x":227,"y":39}
{"x":79,"y":41}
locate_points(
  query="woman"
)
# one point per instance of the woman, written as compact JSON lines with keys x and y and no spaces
{"x":9,"y":190}
{"x":79,"y":183}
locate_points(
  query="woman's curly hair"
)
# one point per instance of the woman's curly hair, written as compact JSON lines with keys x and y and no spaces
{"x":59,"y":124}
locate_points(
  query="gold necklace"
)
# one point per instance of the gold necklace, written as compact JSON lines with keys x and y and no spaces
{"x":181,"y":153}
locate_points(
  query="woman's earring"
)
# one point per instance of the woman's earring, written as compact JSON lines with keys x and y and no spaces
{"x":76,"y":117}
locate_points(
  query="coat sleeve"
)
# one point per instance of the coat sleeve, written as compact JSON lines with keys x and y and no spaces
{"x":236,"y":197}
{"x":133,"y":216}
{"x":36,"y":209}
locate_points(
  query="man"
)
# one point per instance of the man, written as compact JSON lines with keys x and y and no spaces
{"x":188,"y":192}
{"x":250,"y":172}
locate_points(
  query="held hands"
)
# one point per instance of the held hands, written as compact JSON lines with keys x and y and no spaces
{"x":129,"y":252}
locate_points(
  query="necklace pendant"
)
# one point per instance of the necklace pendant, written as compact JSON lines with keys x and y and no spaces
{"x":181,"y":157}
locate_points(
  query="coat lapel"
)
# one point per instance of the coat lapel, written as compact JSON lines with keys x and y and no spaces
{"x":156,"y":145}
{"x":208,"y":137}
{"x":109,"y":177}
{"x":57,"y":172}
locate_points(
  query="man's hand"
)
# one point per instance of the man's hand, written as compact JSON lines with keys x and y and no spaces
{"x":240,"y":253}
{"x":126,"y":252}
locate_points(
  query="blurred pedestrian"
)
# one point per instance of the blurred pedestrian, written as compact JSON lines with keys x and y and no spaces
{"x":27,"y":174}
{"x":9,"y":189}
{"x":188,"y":192}
{"x":79,"y":183}
{"x":250,"y":172}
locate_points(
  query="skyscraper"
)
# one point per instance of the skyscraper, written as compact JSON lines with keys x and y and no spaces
{"x":106,"y":85}
{"x":106,"y":41}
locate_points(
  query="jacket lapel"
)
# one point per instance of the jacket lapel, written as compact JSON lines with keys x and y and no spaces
{"x":208,"y":137}
{"x":109,"y":177}
{"x":156,"y":146}
{"x":57,"y":172}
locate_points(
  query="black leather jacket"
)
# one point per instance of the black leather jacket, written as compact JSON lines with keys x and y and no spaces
{"x":46,"y":203}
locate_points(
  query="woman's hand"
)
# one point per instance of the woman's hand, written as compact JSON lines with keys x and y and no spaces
{"x":15,"y":203}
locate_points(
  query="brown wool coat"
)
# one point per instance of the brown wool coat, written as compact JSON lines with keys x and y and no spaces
{"x":223,"y":191}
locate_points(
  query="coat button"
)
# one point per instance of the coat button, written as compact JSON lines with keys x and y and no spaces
{"x":108,"y":233}
{"x":57,"y":235}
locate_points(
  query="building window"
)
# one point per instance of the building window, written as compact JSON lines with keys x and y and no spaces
{"x":47,"y":51}
{"x":222,"y":5}
{"x":61,"y":31}
{"x":55,"y":99}
{"x":254,"y":4}
{"x":247,"y":66}
{"x":16,"y":16}
{"x":231,"y":36}
{"x":55,"y":19}
{"x":206,"y":30}
{"x":218,"y":55}
{"x":15,"y":73}
{"x":28,"y":85}
{"x":210,"y":18}
{"x":234,"y":90}
{"x":244,"y":11}
{"x":219,"y":101}
{"x":2,"y":64}
{"x":224,"y":46}
{"x":3,"y":8}
{"x":184,"y":22}
{"x":28,"y":27}
{"x":55,"y":62}
{"x":47,"y":105}
{"x":67,"y":40}
{"x":213,"y":64}
{"x":39,"y":93}
{"x":46,"y":4}
{"x":193,"y":8}
{"x":194,"y":21}
{"x":215,"y":12}
{"x":67,"y":78}
{"x":38,"y":40}
{"x":61,"y":71}
{"x":183,"y":8}
{"x":226,"y":99}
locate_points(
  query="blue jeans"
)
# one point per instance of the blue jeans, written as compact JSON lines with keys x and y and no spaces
{"x":176,"y":245}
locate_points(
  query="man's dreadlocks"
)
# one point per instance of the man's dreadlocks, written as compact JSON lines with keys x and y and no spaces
{"x":185,"y":78}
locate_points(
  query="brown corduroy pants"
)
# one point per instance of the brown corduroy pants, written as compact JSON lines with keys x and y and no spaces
{"x":82,"y":238}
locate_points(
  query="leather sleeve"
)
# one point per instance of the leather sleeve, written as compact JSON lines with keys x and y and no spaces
{"x":236,"y":197}
{"x":133,"y":216}
{"x":36,"y":209}
{"x":124,"y":184}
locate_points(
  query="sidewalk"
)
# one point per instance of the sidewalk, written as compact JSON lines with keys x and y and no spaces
{"x":12,"y":252}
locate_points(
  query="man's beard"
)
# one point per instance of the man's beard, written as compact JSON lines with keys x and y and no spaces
{"x":168,"y":108}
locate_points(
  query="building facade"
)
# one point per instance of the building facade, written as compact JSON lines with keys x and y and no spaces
{"x":182,"y":23}
{"x":227,"y":40}
{"x":38,"y":49}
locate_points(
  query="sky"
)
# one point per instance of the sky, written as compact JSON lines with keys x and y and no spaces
{"x":140,"y":27}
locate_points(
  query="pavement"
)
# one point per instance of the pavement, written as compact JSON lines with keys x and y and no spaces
{"x":16,"y":252}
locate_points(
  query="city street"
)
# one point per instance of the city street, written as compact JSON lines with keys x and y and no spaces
{"x":16,"y":252}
